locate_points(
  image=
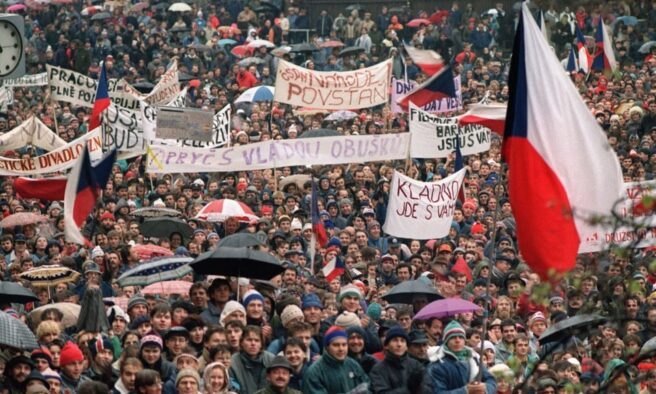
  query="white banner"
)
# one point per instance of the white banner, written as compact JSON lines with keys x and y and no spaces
{"x":633,"y":209}
{"x":435,"y":137}
{"x":421,"y":210}
{"x":401,"y":88}
{"x":166,"y":89}
{"x":40,"y":79}
{"x":31,"y":132}
{"x":279,"y":153}
{"x":122,"y":130}
{"x":334,"y":90}
{"x":57,"y":160}
{"x":6,"y":98}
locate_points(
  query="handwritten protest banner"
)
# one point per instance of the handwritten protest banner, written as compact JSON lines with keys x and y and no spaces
{"x":6,"y":98}
{"x":40,"y":79}
{"x":279,"y":153}
{"x":633,"y":208}
{"x":57,"y":160}
{"x":122,"y":130}
{"x":421,"y":210}
{"x":435,"y":137}
{"x":401,"y":88}
{"x":334,"y":90}
{"x":31,"y":132}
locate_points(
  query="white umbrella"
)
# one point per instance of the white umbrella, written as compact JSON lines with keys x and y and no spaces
{"x":341,"y":115}
{"x":258,"y":93}
{"x":261,"y":43}
{"x":180,"y":7}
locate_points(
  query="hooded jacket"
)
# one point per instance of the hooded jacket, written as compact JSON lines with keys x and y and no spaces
{"x":448,"y":375}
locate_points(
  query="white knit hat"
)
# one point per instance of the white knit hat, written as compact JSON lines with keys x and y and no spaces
{"x":290,"y":313}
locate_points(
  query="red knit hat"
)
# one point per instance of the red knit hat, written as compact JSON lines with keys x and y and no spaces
{"x":70,"y":353}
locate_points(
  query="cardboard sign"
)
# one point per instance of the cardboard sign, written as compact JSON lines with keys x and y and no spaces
{"x":184,"y":123}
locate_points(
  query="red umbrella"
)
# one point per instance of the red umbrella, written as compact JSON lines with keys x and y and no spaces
{"x":418,"y":22}
{"x":332,"y":44}
{"x":149,"y":251}
{"x":22,"y":219}
{"x":242,"y":51}
{"x":139,"y":7}
{"x":437,"y":17}
{"x":220,"y":210}
{"x":168,"y":287}
{"x":16,"y":8}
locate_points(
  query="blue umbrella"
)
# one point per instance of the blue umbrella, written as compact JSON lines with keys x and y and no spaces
{"x":258,"y":93}
{"x":227,"y":41}
{"x":156,"y":270}
{"x":627,"y":20}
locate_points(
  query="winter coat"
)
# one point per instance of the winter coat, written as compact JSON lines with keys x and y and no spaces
{"x":399,"y":375}
{"x":250,"y":373}
{"x":448,"y":375}
{"x":331,"y":376}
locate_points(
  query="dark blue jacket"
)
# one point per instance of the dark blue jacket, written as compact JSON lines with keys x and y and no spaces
{"x":450,"y":376}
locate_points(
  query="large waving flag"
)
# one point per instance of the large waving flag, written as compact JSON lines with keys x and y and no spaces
{"x":334,"y":269}
{"x":102,"y":101}
{"x":561,"y":168}
{"x":492,"y":116}
{"x":604,"y":58}
{"x":437,"y":87}
{"x":572,"y":64}
{"x":82,"y":190}
{"x":49,"y":189}
{"x":585,"y":59}
{"x":427,"y":60}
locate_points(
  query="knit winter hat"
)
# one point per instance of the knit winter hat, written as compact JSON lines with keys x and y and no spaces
{"x":312,"y":300}
{"x":229,"y":308}
{"x":136,"y":300}
{"x":374,"y":311}
{"x":185,"y":373}
{"x":150,"y":339}
{"x":333,"y":333}
{"x":69,"y":354}
{"x":395,"y":332}
{"x":250,"y":296}
{"x":100,"y":343}
{"x":453,"y":329}
{"x":347,"y":319}
{"x":51,"y":374}
{"x":290,"y":313}
{"x":349,"y":290}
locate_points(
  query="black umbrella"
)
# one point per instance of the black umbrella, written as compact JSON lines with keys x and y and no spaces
{"x":143,"y":87}
{"x":163,"y":227}
{"x":397,"y":10}
{"x":179,"y":29}
{"x":240,"y":262}
{"x":14,"y":333}
{"x":405,"y":292}
{"x":350,"y":51}
{"x":240,"y":240}
{"x":11,"y":292}
{"x":101,"y":16}
{"x":161,"y":6}
{"x":200,"y":47}
{"x":320,"y":133}
{"x":265,"y":6}
{"x":304,"y":48}
{"x":571,"y":326}
{"x":182,"y":77}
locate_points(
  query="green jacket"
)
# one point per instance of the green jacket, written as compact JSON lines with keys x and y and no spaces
{"x":269,"y":390}
{"x":331,"y":376}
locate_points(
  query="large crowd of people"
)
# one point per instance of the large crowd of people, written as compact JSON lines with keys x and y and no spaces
{"x":298,"y":332}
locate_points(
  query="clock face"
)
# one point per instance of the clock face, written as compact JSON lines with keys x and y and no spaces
{"x":11,"y":48}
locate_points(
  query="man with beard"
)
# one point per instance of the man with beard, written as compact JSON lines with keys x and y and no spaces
{"x":16,"y":372}
{"x":504,"y":349}
{"x":102,"y":355}
{"x":278,"y":375}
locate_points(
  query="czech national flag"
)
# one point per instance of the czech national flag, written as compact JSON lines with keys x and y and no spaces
{"x":82,"y":190}
{"x":459,"y":164}
{"x":335,"y":268}
{"x":585,"y":59}
{"x":317,"y":224}
{"x":492,"y":116}
{"x":561,"y":169}
{"x":102,"y":99}
{"x":437,"y":87}
{"x":604,"y":58}
{"x":428,"y":61}
{"x":49,"y":189}
{"x":572,"y":64}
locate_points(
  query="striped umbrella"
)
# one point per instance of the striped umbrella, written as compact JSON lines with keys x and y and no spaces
{"x":156,"y":270}
{"x":168,"y":287}
{"x":49,"y":275}
{"x":220,"y":210}
{"x":14,"y":333}
{"x":149,"y":251}
{"x":258,"y":93}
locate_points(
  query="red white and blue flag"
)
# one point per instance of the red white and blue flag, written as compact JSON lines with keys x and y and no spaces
{"x":492,"y":116}
{"x":437,"y":87}
{"x":585,"y":59}
{"x":82,"y":190}
{"x":572,"y":64}
{"x":317,"y":224}
{"x":430,"y":62}
{"x":334,"y":269}
{"x":604,"y":58}
{"x":102,"y":101}
{"x":561,"y":169}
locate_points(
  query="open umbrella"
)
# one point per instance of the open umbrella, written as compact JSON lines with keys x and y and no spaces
{"x":149,"y":251}
{"x":11,"y":292}
{"x":646,"y":47}
{"x":280,"y":51}
{"x":168,"y":287}
{"x":314,"y":133}
{"x":261,"y":43}
{"x":101,"y":16}
{"x":226,"y":41}
{"x":350,"y":51}
{"x":341,"y":115}
{"x":250,"y":60}
{"x":22,"y":219}
{"x":570,"y":326}
{"x":37,"y":4}
{"x":154,"y":212}
{"x":156,"y":270}
{"x":139,"y":6}
{"x":160,"y":6}
{"x":49,"y":275}
{"x":445,"y":308}
{"x":14,"y":333}
{"x":240,"y":262}
{"x":143,"y":87}
{"x":258,"y":93}
{"x":627,"y":20}
{"x":184,"y":77}
{"x":163,"y":227}
{"x":332,"y":44}
{"x":418,"y":22}
{"x":179,"y":7}
{"x":240,"y":240}
{"x":265,"y":6}
{"x":242,"y":50}
{"x":405,"y":292}
{"x":297,"y":179}
{"x":200,"y":47}
{"x":16,"y":8}
{"x":304,"y":48}
{"x":437,"y":17}
{"x":220,"y":210}
{"x":90,"y":10}
{"x":69,"y":310}
{"x":353,"y":7}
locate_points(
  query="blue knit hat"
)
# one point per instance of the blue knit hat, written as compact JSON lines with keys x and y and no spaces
{"x":374,"y":311}
{"x":395,"y":332}
{"x":311,"y":300}
{"x":250,"y":296}
{"x":333,"y":333}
